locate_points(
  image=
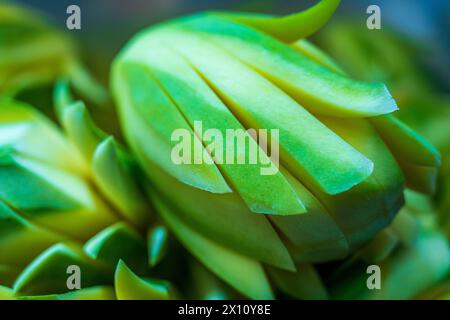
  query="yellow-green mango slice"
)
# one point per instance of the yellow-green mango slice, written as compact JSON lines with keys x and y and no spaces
{"x":215,"y":216}
{"x":260,"y":104}
{"x":118,"y":242}
{"x":198,"y":103}
{"x":147,"y":110}
{"x":47,"y":274}
{"x":129,"y":286}
{"x":318,"y":89}
{"x":244,"y":274}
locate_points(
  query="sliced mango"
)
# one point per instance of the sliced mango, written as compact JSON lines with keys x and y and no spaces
{"x":52,"y":198}
{"x":47,"y":274}
{"x":244,"y":274}
{"x":118,"y":242}
{"x":304,"y":284}
{"x":214,"y":216}
{"x":405,"y":143}
{"x":292,"y":27}
{"x":157,"y":242}
{"x":22,"y":128}
{"x":6,"y":293}
{"x":92,"y":293}
{"x":370,"y":206}
{"x":131,"y":287}
{"x":148,"y":111}
{"x":259,"y":104}
{"x":113,"y":175}
{"x":315,"y":235}
{"x":198,"y":103}
{"x":19,"y":235}
{"x":309,"y":50}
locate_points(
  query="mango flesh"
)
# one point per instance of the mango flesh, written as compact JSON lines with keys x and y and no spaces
{"x":47,"y":274}
{"x":220,"y":71}
{"x":204,"y":106}
{"x":314,"y":86}
{"x":18,"y":234}
{"x":129,"y":286}
{"x":253,"y":236}
{"x":315,"y":235}
{"x":428,"y":256}
{"x":288,"y":28}
{"x":305,"y":143}
{"x":140,"y":93}
{"x":371,"y":205}
{"x":241,"y":272}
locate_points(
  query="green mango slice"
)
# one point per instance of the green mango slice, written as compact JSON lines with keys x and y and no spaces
{"x":119,"y":241}
{"x":215,"y":216}
{"x":18,"y":235}
{"x":131,"y":287}
{"x":307,"y":153}
{"x":303,"y":284}
{"x":92,"y":293}
{"x":310,"y":51}
{"x":315,"y":235}
{"x":22,"y":129}
{"x":47,"y":274}
{"x":370,"y":206}
{"x":244,"y":274}
{"x":253,"y":181}
{"x":110,"y":163}
{"x":80,"y":128}
{"x":53,"y":198}
{"x":288,"y":28}
{"x":113,"y":175}
{"x":157,"y":242}
{"x":405,"y":143}
{"x":147,"y":110}
{"x":315,"y":87}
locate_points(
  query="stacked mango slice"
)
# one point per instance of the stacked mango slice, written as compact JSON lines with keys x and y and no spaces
{"x":395,"y":60}
{"x":71,"y":195}
{"x":33,"y":53}
{"x":344,"y":157}
{"x":70,"y":198}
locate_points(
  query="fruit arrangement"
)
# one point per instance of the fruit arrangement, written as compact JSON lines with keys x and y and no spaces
{"x":139,"y":225}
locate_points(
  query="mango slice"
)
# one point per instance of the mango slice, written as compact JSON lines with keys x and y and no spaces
{"x":315,"y":234}
{"x":131,"y":287}
{"x":157,"y":242}
{"x":303,"y":284}
{"x":315,"y":87}
{"x":292,"y":27}
{"x":253,"y":236}
{"x":47,"y":274}
{"x":244,"y":274}
{"x":150,"y":112}
{"x":371,"y":205}
{"x":20,"y":235}
{"x":199,"y":103}
{"x":118,"y":242}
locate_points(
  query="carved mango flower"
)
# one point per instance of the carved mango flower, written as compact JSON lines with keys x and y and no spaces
{"x":344,"y":156}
